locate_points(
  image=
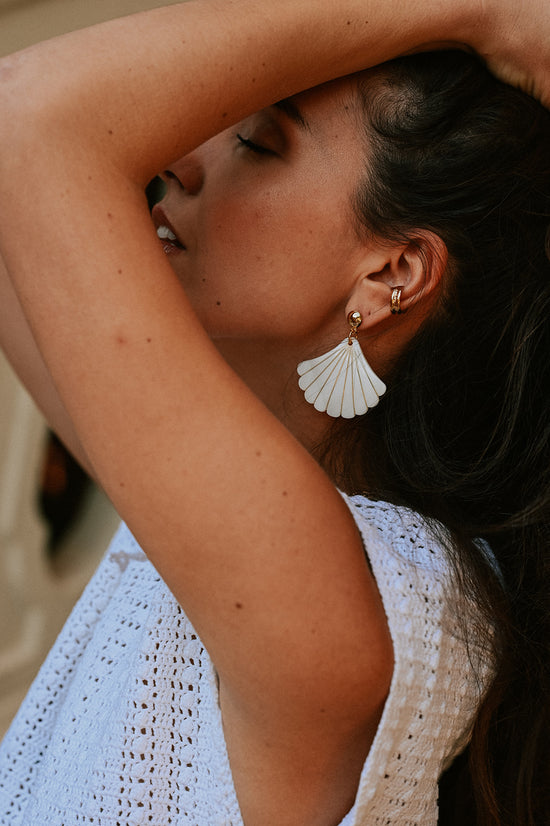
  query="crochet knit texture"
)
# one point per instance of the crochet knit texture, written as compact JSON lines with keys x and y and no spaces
{"x":122,"y":726}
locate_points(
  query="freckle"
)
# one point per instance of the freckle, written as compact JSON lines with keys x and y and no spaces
{"x":348,"y":23}
{"x":119,"y":272}
{"x":110,"y":216}
{"x":322,"y":710}
{"x":110,"y":131}
{"x":238,"y":605}
{"x":122,"y":484}
{"x":258,"y":453}
{"x":285,"y":493}
{"x":253,"y":80}
{"x":204,"y":280}
{"x":148,"y":341}
{"x":218,"y":303}
{"x":224,"y":114}
{"x":121,"y":339}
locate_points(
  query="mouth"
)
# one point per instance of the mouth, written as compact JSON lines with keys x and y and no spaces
{"x":171,"y":244}
{"x":170,"y":241}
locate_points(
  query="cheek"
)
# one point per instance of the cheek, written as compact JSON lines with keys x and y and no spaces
{"x":277,"y":229}
{"x":264,"y":259}
{"x":244,"y":247}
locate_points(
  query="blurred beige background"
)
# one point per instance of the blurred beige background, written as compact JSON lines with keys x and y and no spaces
{"x":38,"y":584}
{"x":23,"y":22}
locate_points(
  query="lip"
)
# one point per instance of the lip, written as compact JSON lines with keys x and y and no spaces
{"x":160,"y":219}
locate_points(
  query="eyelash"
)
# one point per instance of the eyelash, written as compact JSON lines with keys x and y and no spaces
{"x":254,"y":147}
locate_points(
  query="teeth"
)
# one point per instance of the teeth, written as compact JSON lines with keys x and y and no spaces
{"x":165,"y":233}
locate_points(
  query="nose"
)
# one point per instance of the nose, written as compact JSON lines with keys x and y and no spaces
{"x":187,"y":172}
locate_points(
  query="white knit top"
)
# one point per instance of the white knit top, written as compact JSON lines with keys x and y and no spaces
{"x":122,"y":726}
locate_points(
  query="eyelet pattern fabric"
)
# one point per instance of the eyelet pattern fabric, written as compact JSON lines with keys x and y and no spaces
{"x":122,"y":726}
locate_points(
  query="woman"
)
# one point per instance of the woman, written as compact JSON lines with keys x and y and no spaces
{"x":344,"y":647}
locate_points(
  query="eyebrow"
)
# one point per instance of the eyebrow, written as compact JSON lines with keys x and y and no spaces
{"x":289,"y":108}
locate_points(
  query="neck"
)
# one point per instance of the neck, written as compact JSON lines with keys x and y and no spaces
{"x":270,"y":372}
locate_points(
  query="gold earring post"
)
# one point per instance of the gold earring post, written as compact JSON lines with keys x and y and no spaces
{"x":354,"y":320}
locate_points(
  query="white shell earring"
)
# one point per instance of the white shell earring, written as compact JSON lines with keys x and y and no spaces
{"x":341,"y":382}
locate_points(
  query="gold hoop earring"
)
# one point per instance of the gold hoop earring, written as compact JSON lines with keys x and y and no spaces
{"x":395,"y":301}
{"x":341,"y":382}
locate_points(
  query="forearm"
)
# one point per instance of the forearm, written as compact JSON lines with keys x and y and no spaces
{"x":149,"y":88}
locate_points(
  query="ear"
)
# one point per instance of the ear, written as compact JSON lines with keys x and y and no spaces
{"x":416,"y":266}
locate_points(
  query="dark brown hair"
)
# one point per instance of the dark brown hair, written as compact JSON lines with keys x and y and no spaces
{"x":463,"y":434}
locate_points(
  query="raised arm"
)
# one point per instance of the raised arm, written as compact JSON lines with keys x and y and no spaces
{"x":88,"y":119}
{"x":203,"y":65}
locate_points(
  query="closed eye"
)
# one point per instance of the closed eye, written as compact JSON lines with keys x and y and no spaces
{"x":254,"y":147}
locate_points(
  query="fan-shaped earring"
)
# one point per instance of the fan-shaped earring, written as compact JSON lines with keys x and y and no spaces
{"x":341,"y":382}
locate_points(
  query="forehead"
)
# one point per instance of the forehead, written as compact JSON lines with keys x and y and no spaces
{"x":331,"y":103}
{"x":330,"y":125}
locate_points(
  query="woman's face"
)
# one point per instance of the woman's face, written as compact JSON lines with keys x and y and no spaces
{"x":266,"y":241}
